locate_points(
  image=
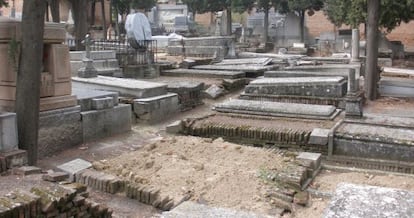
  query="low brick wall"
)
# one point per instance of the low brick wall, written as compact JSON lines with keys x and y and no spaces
{"x":69,"y":200}
{"x":113,"y":184}
{"x":254,"y":135}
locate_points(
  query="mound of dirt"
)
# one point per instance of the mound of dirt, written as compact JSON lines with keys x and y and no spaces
{"x":212,"y":172}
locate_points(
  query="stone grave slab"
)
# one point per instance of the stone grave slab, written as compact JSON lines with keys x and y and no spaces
{"x":98,"y":124}
{"x":155,"y":109}
{"x":190,"y":209}
{"x":396,"y":87}
{"x":85,"y":97}
{"x":74,"y":166}
{"x":299,"y":86}
{"x":333,"y":68}
{"x":359,"y":201}
{"x":328,"y":60}
{"x":240,"y":67}
{"x":256,"y":61}
{"x":225,"y":74}
{"x":375,"y":141}
{"x":8,"y":132}
{"x":300,"y":73}
{"x":126,"y":87}
{"x":278,"y":109}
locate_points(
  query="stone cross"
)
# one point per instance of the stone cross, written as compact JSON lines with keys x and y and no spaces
{"x":89,"y":70}
{"x":88,"y":42}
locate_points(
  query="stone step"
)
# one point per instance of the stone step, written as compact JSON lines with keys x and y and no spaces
{"x":190,"y":209}
{"x":299,"y":86}
{"x":225,"y":74}
{"x":277,"y":109}
{"x":125,"y":87}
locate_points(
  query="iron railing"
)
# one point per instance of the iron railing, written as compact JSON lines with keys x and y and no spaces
{"x":141,"y":52}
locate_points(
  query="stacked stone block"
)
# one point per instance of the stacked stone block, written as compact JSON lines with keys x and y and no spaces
{"x":68,"y":200}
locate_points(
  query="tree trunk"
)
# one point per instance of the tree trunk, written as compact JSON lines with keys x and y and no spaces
{"x":302,"y":26}
{"x":80,"y":16}
{"x":93,"y":6}
{"x":47,"y":11}
{"x":265,"y":25}
{"x":54,"y":10}
{"x":371,"y":71}
{"x":228,"y":20}
{"x":28,"y":76}
{"x":103,"y":18}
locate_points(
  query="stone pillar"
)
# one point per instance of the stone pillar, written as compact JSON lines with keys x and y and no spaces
{"x":352,"y":83}
{"x":353,"y":102}
{"x":355,"y":45}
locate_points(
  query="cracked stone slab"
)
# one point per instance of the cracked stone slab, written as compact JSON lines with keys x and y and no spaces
{"x":190,"y":209}
{"x":359,"y":201}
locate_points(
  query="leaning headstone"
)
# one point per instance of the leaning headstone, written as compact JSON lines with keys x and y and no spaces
{"x":74,"y":166}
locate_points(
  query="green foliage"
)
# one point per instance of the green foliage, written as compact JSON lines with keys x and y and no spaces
{"x":202,"y":6}
{"x":123,"y":6}
{"x":196,"y":6}
{"x":354,"y":12}
{"x":280,"y":5}
{"x":3,"y":3}
{"x":305,"y":5}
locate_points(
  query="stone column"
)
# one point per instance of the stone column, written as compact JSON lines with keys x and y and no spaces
{"x":352,"y":83}
{"x":353,"y":102}
{"x":355,"y":45}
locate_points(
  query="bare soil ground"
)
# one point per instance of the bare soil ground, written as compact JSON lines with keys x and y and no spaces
{"x":217,"y":173}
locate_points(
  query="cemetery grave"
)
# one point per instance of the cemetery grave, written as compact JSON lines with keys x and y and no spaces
{"x":292,"y":105}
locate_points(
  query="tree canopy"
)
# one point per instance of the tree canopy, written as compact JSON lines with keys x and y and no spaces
{"x":300,"y":7}
{"x":354,"y":12}
{"x":123,"y":6}
{"x":3,"y":3}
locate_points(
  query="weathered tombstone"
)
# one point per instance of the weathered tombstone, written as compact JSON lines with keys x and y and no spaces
{"x":89,"y":70}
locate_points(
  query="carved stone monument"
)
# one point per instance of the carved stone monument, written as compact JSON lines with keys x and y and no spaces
{"x":55,"y":90}
{"x":88,"y":70}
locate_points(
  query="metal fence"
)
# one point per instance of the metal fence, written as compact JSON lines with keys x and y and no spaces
{"x":135,"y":52}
